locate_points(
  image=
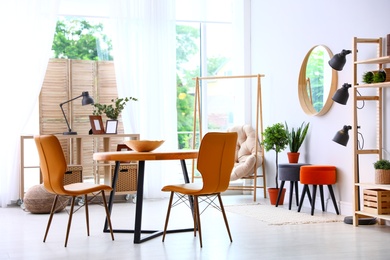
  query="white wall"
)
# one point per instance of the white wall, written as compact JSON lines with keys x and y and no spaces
{"x":282,"y":33}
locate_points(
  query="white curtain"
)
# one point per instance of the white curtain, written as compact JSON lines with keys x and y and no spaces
{"x":144,"y":44}
{"x":27,"y":29}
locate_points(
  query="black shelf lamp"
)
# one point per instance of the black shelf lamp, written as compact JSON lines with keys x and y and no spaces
{"x":341,"y":96}
{"x":87,"y":100}
{"x":342,"y":135}
{"x":338,"y":61}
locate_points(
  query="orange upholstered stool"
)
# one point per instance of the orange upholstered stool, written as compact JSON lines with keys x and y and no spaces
{"x":317,"y":175}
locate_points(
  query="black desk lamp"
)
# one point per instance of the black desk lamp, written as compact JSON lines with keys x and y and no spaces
{"x":86,"y":101}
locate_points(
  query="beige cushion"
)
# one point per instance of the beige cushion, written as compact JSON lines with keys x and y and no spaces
{"x":245,"y":152}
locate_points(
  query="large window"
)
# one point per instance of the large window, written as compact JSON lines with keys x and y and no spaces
{"x":203,"y":49}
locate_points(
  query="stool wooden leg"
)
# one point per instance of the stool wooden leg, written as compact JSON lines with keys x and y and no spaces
{"x":296,"y":192}
{"x":313,"y":201}
{"x":333,"y":199}
{"x":291,"y":194}
{"x":279,"y":193}
{"x":322,"y":197}
{"x":305,"y":189}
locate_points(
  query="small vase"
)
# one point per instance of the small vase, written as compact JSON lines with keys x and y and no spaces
{"x":293,"y":157}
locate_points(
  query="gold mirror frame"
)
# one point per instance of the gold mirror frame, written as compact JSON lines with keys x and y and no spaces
{"x":304,"y":82}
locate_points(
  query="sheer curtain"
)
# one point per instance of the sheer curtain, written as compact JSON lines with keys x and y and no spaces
{"x":27,"y":28}
{"x":144,"y":44}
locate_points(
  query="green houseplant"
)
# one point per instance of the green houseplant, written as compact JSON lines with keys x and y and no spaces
{"x":295,"y":140}
{"x":382,"y":171}
{"x":379,"y":76}
{"x":112,"y":111}
{"x":275,"y":138}
{"x":368,"y":77}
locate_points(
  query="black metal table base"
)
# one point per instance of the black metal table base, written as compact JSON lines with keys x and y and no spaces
{"x":139,"y":204}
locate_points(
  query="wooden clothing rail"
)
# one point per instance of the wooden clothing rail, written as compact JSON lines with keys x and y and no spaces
{"x":259,"y":126}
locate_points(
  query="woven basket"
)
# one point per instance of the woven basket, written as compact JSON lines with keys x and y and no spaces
{"x":382,"y":176}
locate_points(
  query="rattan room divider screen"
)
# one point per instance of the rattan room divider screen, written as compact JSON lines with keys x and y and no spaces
{"x":64,"y":80}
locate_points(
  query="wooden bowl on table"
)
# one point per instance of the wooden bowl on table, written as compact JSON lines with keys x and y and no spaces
{"x":143,"y":145}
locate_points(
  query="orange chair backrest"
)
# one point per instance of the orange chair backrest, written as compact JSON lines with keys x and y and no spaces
{"x":216,"y":161}
{"x":52,"y":163}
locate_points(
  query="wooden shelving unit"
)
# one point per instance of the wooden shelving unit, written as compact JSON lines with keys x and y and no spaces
{"x":379,"y":60}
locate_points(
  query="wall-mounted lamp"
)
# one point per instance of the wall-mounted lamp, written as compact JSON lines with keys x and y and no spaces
{"x":342,"y":136}
{"x":338,"y":61}
{"x":86,"y":101}
{"x":341,"y":96}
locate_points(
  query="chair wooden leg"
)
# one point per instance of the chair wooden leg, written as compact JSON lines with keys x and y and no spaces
{"x":224,"y":216}
{"x":70,"y":220}
{"x":86,"y":213}
{"x":197,"y":217}
{"x":107,"y":214}
{"x":167,"y":217}
{"x":53,"y":207}
{"x":194,"y":215}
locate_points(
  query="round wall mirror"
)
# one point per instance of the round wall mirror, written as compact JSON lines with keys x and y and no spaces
{"x":317,"y":81}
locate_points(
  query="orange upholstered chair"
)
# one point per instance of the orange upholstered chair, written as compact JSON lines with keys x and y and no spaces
{"x":317,"y":175}
{"x":215,"y":163}
{"x":53,"y":167}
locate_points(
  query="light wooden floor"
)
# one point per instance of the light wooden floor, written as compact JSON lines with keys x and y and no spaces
{"x":22,"y":234}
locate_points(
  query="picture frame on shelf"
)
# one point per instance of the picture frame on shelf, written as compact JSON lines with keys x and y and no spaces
{"x":111,"y":126}
{"x":96,"y":124}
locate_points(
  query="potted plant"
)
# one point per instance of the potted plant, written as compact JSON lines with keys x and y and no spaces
{"x":382,"y":171}
{"x":112,"y":111}
{"x":295,"y":140}
{"x":379,"y":76}
{"x":368,"y":77}
{"x":275,"y":138}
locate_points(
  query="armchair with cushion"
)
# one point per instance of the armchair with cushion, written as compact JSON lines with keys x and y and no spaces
{"x":248,"y":159}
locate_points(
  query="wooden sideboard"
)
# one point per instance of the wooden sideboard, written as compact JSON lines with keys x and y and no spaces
{"x":78,"y":150}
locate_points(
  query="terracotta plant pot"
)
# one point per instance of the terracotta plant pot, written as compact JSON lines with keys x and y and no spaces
{"x":273,"y":195}
{"x":293,"y":157}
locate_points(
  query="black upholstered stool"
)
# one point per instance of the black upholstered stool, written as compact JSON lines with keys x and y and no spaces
{"x":289,"y":172}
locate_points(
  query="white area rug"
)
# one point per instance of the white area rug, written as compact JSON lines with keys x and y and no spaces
{"x":282,"y":216}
